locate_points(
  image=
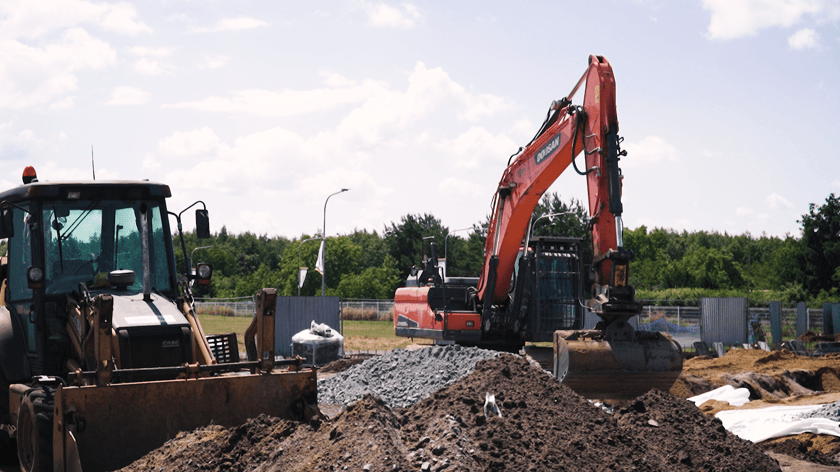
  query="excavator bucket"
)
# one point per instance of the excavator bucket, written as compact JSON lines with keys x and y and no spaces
{"x":601,"y":369}
{"x":100,"y":428}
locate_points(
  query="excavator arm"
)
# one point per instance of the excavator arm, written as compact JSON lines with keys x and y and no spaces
{"x":569,"y":130}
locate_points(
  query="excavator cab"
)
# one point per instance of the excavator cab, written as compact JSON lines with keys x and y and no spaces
{"x":548,"y":286}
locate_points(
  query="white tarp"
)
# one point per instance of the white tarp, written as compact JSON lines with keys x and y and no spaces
{"x":320,"y":334}
{"x":760,"y":424}
{"x":776,"y":421}
{"x":727,"y":393}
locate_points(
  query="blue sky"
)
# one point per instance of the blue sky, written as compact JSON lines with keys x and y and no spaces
{"x":730,"y":109}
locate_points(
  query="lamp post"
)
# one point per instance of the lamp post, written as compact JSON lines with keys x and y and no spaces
{"x":324,"y":236}
{"x":534,"y":224}
{"x":299,"y":267}
{"x":193,"y":252}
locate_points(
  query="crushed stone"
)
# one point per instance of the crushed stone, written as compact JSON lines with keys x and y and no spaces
{"x":402,"y":377}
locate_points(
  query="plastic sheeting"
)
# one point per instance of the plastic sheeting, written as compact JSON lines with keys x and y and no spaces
{"x":760,"y":424}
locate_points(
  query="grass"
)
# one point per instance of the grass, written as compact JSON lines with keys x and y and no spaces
{"x":215,"y":324}
{"x":372,"y":336}
{"x":358,"y":335}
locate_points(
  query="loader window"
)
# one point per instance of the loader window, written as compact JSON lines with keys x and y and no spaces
{"x":20,"y":258}
{"x":86,"y":240}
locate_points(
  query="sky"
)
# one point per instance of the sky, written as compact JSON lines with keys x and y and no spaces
{"x":730,"y":109}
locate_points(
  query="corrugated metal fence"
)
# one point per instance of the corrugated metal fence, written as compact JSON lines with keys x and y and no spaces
{"x":710,"y":320}
{"x":295,"y":314}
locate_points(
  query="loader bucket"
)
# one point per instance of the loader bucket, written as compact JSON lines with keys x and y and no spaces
{"x":108,"y":427}
{"x":616,"y":370}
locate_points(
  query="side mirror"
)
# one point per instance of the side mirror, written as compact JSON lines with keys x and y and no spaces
{"x":202,"y":224}
{"x":7,"y":226}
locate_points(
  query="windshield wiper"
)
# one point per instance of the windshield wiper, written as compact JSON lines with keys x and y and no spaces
{"x":93,"y":204}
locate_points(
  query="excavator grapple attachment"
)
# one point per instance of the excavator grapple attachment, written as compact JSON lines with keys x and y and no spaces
{"x":613,"y":369}
{"x":99,"y":428}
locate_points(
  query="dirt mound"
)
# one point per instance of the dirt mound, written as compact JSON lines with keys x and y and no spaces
{"x":675,"y":430}
{"x":544,"y":427}
{"x":801,"y":448}
{"x":768,"y":375}
{"x":216,"y":448}
{"x":340,"y":365}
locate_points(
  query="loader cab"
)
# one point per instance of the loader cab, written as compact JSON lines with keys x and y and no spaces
{"x":65,"y":238}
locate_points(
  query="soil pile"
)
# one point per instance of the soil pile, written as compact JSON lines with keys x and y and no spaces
{"x":544,"y":427}
{"x":770,"y":376}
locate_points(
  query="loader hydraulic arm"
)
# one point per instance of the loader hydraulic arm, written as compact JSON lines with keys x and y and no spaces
{"x":568,"y":131}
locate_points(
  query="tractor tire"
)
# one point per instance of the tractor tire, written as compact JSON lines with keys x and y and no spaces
{"x":8,"y":447}
{"x":34,"y":432}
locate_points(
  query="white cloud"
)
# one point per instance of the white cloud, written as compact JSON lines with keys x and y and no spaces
{"x":333,"y":79}
{"x":735,"y":19}
{"x":651,"y":149}
{"x":286,"y":103}
{"x":382,"y":15}
{"x":233,"y":24}
{"x":35,"y":75}
{"x":477,"y":145}
{"x":214,"y":62}
{"x":805,"y":38}
{"x":454,"y":187}
{"x":201,"y":142}
{"x":128,"y":96}
{"x":775,"y":201}
{"x":744,"y":211}
{"x":150,"y":52}
{"x":32,"y":19}
{"x":146,"y":66}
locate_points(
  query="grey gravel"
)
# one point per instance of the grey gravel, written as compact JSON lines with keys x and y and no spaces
{"x":401,"y":377}
{"x":830,"y":411}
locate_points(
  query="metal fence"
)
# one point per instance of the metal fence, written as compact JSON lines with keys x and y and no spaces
{"x":371,"y":310}
{"x":226,"y":306}
{"x":351,"y":309}
{"x":681,"y":322}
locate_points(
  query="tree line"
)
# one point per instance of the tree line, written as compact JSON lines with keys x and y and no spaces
{"x":668,"y":264}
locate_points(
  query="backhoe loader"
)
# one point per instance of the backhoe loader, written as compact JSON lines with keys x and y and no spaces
{"x":102,"y":357}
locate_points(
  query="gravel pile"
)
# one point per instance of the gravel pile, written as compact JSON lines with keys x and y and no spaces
{"x":830,"y":411}
{"x":401,"y":378}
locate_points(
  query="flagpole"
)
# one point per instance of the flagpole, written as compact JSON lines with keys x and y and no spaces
{"x":323,"y":251}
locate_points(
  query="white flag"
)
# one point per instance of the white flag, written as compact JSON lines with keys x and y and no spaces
{"x":302,"y":276}
{"x":319,"y":264}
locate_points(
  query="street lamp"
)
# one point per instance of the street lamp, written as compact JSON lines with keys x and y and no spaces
{"x":324,"y":236}
{"x":193,"y":252}
{"x":534,"y":224}
{"x":299,"y":267}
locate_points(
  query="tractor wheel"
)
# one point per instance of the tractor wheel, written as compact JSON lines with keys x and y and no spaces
{"x":34,"y":432}
{"x":8,"y":448}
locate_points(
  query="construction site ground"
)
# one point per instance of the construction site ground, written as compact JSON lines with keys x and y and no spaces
{"x":544,"y":426}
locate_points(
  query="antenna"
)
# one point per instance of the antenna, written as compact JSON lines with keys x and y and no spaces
{"x":92,"y":167}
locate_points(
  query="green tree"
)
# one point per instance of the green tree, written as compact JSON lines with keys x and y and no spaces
{"x":405,"y":241}
{"x":820,"y":256}
{"x":372,"y":282}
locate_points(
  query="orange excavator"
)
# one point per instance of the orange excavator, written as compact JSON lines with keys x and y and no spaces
{"x":531,"y":288}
